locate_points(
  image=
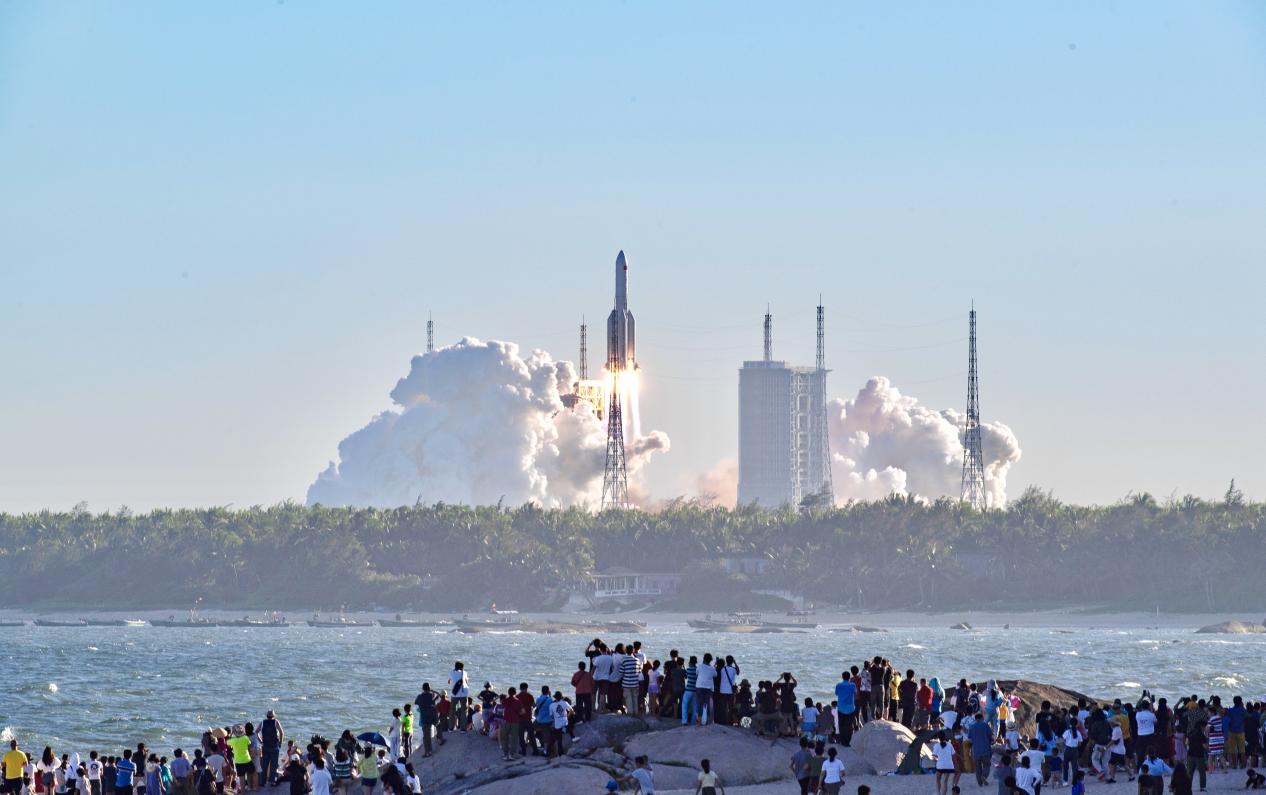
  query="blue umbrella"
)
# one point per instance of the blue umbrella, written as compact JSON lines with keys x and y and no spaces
{"x":374,"y":738}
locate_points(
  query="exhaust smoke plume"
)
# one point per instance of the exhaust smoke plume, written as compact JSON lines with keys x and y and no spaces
{"x":884,"y":442}
{"x":478,"y":423}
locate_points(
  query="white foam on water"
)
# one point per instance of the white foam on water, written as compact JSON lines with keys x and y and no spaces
{"x":1070,"y":653}
{"x":6,"y":734}
{"x":1127,"y":684}
{"x":93,"y":648}
{"x":1226,"y":681}
{"x":52,"y":687}
{"x":914,"y":646}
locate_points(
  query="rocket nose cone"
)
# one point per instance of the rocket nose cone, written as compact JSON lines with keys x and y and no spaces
{"x":619,"y":260}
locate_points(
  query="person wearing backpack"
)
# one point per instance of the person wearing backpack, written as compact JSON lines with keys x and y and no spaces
{"x":542,"y":720}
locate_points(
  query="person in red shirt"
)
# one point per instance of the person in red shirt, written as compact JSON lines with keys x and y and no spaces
{"x":511,"y":730}
{"x":923,"y":715}
{"x":582,"y":680}
{"x":527,"y":706}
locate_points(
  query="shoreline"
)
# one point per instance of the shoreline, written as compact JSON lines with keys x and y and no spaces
{"x":1078,"y":618}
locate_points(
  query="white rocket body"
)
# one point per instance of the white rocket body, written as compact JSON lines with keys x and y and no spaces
{"x":621,"y":338}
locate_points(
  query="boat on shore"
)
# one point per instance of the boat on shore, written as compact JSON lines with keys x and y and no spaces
{"x":59,"y":622}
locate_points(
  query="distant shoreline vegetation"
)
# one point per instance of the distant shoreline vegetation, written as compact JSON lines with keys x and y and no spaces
{"x":1184,"y":555}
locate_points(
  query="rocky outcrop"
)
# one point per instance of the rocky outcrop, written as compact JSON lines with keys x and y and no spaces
{"x":881,"y":745}
{"x":1233,"y":628}
{"x":1032,"y":694}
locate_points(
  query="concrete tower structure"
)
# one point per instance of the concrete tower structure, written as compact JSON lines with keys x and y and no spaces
{"x":783,"y":448}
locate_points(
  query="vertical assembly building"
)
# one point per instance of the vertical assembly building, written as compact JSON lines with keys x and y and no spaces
{"x":784,"y":450}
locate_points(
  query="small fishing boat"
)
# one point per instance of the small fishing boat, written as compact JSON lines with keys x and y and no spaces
{"x":338,"y":621}
{"x":193,"y":621}
{"x":735,"y":622}
{"x":400,"y":621}
{"x":113,"y":622}
{"x":59,"y":622}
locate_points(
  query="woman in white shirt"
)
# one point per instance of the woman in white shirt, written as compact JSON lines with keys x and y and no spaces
{"x":943,"y":750}
{"x":832,"y":777}
{"x":709,"y":781}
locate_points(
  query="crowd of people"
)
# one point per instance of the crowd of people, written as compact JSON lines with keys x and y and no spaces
{"x":968,"y":728}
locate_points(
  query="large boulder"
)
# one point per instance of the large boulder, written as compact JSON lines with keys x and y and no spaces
{"x":610,"y":731}
{"x":1233,"y":628}
{"x":882,"y":745}
{"x":566,"y":778}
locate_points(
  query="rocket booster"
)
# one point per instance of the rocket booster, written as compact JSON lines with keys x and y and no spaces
{"x":621,"y":343}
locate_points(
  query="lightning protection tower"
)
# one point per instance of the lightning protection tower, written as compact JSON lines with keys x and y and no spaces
{"x":584,"y":350}
{"x":821,"y":427}
{"x":973,"y":485}
{"x":430,"y":334}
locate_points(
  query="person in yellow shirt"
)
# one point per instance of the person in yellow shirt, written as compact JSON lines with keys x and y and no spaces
{"x":14,"y":761}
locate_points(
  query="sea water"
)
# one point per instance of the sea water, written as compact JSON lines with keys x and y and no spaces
{"x":110,"y":687}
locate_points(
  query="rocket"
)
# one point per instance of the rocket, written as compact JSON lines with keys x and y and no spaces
{"x":621,"y":345}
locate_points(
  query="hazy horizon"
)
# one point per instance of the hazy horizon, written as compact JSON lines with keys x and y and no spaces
{"x":223,"y":227}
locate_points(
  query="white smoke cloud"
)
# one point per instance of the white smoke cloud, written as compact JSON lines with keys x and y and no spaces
{"x":478,"y":423}
{"x":884,"y":442}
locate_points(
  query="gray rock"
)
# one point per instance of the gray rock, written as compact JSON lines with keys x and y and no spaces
{"x":558,"y":779}
{"x":882,"y":744}
{"x":1232,"y":628}
{"x":740,"y":757}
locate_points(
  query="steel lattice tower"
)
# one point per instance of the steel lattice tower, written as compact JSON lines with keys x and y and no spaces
{"x":615,"y":476}
{"x":769,"y":335}
{"x":584,"y":350}
{"x":430,"y":334}
{"x":973,"y":486}
{"x":823,"y":431}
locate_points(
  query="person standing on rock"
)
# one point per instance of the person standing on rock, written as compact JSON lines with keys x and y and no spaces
{"x":727,"y":686}
{"x":601,"y":670}
{"x":907,"y":698}
{"x":845,"y":708}
{"x":688,"y":695}
{"x":878,"y":688}
{"x":705,"y":683}
{"x":630,"y":682}
{"x":862,"y":681}
{"x":428,"y":717}
{"x":559,"y":712}
{"x":582,"y":681}
{"x":459,"y":687}
{"x":709,"y":781}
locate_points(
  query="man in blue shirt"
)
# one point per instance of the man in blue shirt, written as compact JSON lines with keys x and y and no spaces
{"x":846,"y":708}
{"x":981,"y":735}
{"x":124,"y":768}
{"x":1235,"y":743}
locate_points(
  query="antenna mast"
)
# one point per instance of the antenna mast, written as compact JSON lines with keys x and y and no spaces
{"x":823,"y":430}
{"x":769,"y":335}
{"x":430,"y":334}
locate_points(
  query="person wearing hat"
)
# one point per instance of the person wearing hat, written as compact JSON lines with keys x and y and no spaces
{"x":271,"y":736}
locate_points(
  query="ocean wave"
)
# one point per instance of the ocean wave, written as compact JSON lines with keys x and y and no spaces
{"x":915,"y":646}
{"x":1127,"y":684}
{"x":1072,"y":653}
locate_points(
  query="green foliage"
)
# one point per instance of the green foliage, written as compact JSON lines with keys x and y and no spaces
{"x":1187,"y":554}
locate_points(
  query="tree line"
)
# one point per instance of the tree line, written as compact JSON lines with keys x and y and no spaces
{"x":1185,"y":554}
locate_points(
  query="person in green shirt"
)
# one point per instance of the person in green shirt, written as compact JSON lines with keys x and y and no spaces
{"x":406,"y":730}
{"x":240,"y":749}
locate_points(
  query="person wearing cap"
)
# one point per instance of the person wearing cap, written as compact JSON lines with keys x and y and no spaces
{"x":271,"y":736}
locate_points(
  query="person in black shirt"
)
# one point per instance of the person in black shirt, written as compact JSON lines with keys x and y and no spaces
{"x":907,"y":693}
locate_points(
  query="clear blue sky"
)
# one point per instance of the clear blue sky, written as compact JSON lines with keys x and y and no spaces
{"x":222,"y":224}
